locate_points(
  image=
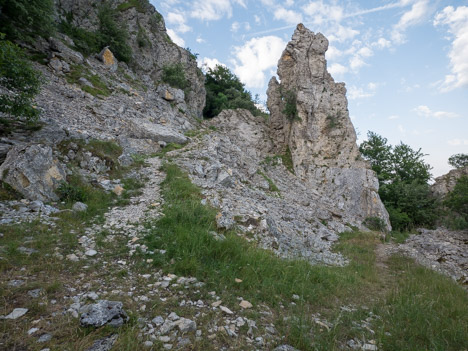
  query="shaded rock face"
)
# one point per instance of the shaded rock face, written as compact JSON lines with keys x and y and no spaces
{"x":446,"y":183}
{"x":309,"y":115}
{"x":33,"y":172}
{"x":152,"y":47}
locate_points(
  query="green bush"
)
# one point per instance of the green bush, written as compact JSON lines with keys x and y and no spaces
{"x":19,"y":83}
{"x":225,"y":91}
{"x":375,"y":223}
{"x":110,"y":33}
{"x":22,"y":19}
{"x":457,"y":201}
{"x":458,"y":160}
{"x":174,"y":76}
{"x":113,"y":33}
{"x":73,"y":191}
{"x":290,"y":105}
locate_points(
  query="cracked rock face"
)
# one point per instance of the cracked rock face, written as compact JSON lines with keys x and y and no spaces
{"x":309,"y":115}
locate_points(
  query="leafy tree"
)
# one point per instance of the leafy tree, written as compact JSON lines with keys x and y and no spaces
{"x":458,"y":160}
{"x":20,"y":19}
{"x":403,"y":177}
{"x":224,"y":91}
{"x":19,"y":82}
{"x":379,"y":154}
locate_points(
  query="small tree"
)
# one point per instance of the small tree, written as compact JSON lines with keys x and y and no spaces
{"x":458,"y":160}
{"x":224,"y":91}
{"x":19,"y":83}
{"x":403,"y":178}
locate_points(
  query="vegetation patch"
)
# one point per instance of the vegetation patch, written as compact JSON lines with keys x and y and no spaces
{"x":140,"y":5}
{"x":271,"y":184}
{"x":19,"y":82}
{"x":99,"y":88}
{"x":224,"y":90}
{"x":174,"y":75}
{"x":290,"y":105}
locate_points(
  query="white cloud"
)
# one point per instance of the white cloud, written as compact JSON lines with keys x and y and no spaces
{"x":257,"y":19}
{"x":321,"y":12}
{"x":177,"y":20}
{"x":289,"y":3}
{"x":207,"y":62}
{"x":458,"y":142}
{"x":414,"y":16}
{"x":425,"y":111}
{"x":361,"y":93}
{"x":333,"y":53}
{"x":392,"y":117}
{"x":235,"y":26}
{"x":255,"y":57}
{"x":212,"y":10}
{"x":382,"y":43}
{"x":200,"y":40}
{"x":337,"y":69}
{"x":457,"y":21}
{"x":176,"y":38}
{"x":289,"y":16}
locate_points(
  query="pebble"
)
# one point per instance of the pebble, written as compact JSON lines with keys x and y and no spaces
{"x":245,"y":304}
{"x":91,"y":253}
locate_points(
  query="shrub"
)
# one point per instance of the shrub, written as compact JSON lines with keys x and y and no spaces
{"x":375,"y":223}
{"x":225,"y":91}
{"x":458,"y":160}
{"x":174,"y":76}
{"x":113,"y":34}
{"x":19,"y":83}
{"x":290,"y":105}
{"x":457,"y":201}
{"x":21,"y":19}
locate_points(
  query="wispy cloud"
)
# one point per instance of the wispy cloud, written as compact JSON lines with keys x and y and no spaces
{"x":457,"y":21}
{"x":425,"y":111}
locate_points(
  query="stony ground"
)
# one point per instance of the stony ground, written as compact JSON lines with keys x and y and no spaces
{"x":46,"y":294}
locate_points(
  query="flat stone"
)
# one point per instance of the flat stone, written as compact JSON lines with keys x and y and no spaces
{"x":16,"y":313}
{"x":91,"y":253}
{"x":245,"y":304}
{"x":225,"y":310}
{"x":104,"y":344}
{"x":44,"y":338}
{"x":79,"y":207}
{"x":103,"y":313}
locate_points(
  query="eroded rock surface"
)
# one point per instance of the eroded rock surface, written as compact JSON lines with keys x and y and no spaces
{"x":309,"y":116}
{"x":446,"y":183}
{"x":33,"y":171}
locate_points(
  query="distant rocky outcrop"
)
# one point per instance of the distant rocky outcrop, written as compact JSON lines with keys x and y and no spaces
{"x":309,"y":116}
{"x":446,"y":183}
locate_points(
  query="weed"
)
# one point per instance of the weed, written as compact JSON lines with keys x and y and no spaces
{"x":99,"y":88}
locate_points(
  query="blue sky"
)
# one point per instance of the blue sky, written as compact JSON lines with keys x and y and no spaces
{"x":404,"y":62}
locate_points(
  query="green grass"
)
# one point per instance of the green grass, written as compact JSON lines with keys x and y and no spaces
{"x":438,"y":320}
{"x":272,"y":186}
{"x":424,"y":311}
{"x":140,"y":5}
{"x":99,"y":88}
{"x":287,"y":160}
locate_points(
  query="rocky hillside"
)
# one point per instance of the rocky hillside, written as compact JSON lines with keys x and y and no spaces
{"x":128,"y":222}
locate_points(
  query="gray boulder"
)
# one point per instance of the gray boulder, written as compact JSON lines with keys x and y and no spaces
{"x":103,"y":312}
{"x":59,"y":49}
{"x":144,"y":129}
{"x":104,"y":344}
{"x":285,"y":348}
{"x":33,"y":171}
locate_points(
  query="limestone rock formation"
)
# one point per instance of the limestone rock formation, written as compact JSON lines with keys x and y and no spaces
{"x":309,"y":116}
{"x":446,"y":183}
{"x":33,"y":172}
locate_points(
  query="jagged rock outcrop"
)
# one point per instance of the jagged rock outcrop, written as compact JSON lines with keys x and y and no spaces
{"x":33,"y":171}
{"x":446,"y":183}
{"x":309,"y":116}
{"x":152,"y":47}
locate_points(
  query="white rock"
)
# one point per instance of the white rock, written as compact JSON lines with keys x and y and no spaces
{"x":226,"y":310}
{"x":91,"y":253}
{"x":245,"y":304}
{"x":16,"y":313}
